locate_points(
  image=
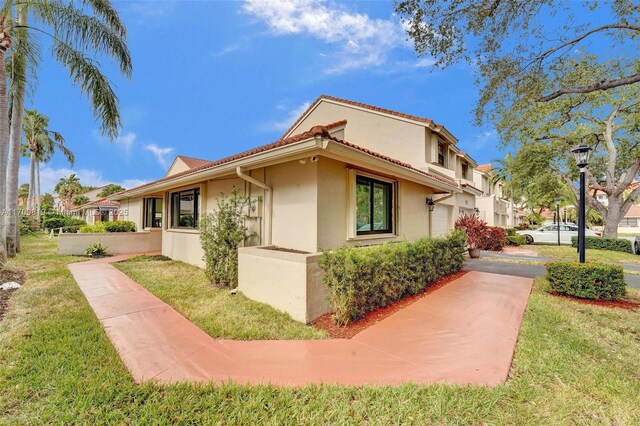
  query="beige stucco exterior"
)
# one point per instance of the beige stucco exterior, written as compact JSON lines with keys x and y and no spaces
{"x":116,"y":242}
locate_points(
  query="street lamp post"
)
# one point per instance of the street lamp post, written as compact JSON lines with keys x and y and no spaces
{"x":557,"y":201}
{"x":581,"y":154}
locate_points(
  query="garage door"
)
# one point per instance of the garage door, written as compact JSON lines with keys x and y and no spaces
{"x":441,"y":220}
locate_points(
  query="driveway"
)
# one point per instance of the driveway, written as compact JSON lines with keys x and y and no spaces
{"x":463,"y":333}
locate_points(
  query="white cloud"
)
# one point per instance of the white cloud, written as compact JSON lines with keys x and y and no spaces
{"x":285,"y":123}
{"x":126,"y":141}
{"x":363,"y":41}
{"x":160,"y":153}
{"x":486,"y":136}
{"x":50,"y":176}
{"x":225,"y":51}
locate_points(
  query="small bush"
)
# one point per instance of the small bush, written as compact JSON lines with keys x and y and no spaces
{"x":29,"y":224}
{"x":96,"y":250}
{"x":221,"y":233}
{"x":120,"y":226}
{"x":97,"y":228}
{"x":587,"y":280}
{"x":361,"y":279}
{"x":71,"y":229}
{"x":605,"y":243}
{"x":515,"y":240}
{"x":494,"y":239}
{"x":473,"y":227}
{"x":511,"y":232}
{"x":523,"y":226}
{"x":60,"y":222}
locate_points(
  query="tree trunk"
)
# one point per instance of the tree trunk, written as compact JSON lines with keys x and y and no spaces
{"x":13,"y":167}
{"x":614,"y":216}
{"x":38,"y":195}
{"x":32,"y":181}
{"x":4,"y":145}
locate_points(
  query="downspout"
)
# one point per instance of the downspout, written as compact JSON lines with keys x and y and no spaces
{"x":268,"y":203}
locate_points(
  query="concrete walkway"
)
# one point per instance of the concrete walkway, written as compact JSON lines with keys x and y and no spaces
{"x":463,"y":333}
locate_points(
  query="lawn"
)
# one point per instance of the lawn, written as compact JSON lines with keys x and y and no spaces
{"x":570,"y":253}
{"x":214,"y":310}
{"x":574,"y":364}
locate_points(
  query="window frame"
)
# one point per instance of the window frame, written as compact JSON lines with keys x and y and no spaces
{"x":442,"y":145}
{"x":391,"y":203}
{"x":196,"y":208}
{"x":145,"y":212}
{"x":465,"y":170}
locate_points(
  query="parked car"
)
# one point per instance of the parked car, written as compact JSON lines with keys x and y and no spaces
{"x":549,"y":234}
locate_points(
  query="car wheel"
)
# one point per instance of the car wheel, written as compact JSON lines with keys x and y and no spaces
{"x":528,"y":239}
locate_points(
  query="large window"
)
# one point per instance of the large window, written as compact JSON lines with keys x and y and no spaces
{"x":465,"y":170}
{"x":374,"y":206}
{"x":153,"y":212}
{"x":630,"y":222}
{"x":184,"y":208}
{"x":441,"y":154}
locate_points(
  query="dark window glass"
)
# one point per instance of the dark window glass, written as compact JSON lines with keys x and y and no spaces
{"x":465,"y":170}
{"x":374,"y":206}
{"x":153,"y":213}
{"x":184,"y":209}
{"x":441,"y":151}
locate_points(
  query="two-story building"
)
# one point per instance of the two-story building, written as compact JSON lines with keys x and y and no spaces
{"x":494,"y":206}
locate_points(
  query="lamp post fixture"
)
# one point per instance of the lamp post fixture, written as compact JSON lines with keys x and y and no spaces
{"x":581,"y":153}
{"x":431,"y":205}
{"x":557,"y":201}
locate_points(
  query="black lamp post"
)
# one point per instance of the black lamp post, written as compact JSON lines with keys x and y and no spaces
{"x":581,"y":154}
{"x":557,"y":201}
{"x":431,"y":205}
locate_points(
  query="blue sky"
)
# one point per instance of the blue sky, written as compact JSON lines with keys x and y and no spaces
{"x":214,"y":78}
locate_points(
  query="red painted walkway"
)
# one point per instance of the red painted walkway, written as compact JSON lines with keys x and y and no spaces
{"x":463,"y":333}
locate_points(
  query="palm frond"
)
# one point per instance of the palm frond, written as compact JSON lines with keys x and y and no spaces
{"x":22,"y":62}
{"x":94,"y":84}
{"x":104,"y":10}
{"x":84,"y":32}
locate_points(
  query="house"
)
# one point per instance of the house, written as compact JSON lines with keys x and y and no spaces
{"x":98,"y":209}
{"x":344,"y":173}
{"x":494,"y":206}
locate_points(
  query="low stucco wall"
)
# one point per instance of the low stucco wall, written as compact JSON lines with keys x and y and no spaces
{"x":290,"y":282}
{"x":116,"y":242}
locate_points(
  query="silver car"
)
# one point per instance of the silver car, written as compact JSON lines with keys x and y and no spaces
{"x":549,"y":234}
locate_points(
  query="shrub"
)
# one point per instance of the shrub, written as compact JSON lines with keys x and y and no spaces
{"x":516,"y":240}
{"x":71,"y":229}
{"x":60,"y":222}
{"x":221,"y":233}
{"x":474,"y":228}
{"x":493,"y":240}
{"x":361,"y":279}
{"x":97,"y":228}
{"x":120,"y":226}
{"x":96,"y":250}
{"x":605,"y":243}
{"x":523,"y":226}
{"x":29,"y":224}
{"x":587,"y":280}
{"x":510,"y":232}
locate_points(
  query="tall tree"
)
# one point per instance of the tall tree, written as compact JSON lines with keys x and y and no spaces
{"x":23,"y":193}
{"x":77,"y":31}
{"x":41,"y":144}
{"x":67,"y":188}
{"x":5,"y":44}
{"x":110,"y":189}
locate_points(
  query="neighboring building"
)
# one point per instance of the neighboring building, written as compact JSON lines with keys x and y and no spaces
{"x":630,"y":224}
{"x":494,"y":207}
{"x":98,"y":209}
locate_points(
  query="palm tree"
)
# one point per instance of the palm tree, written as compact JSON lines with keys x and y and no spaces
{"x":67,"y":189}
{"x":23,"y":193}
{"x":41,"y":143}
{"x":75,"y":29}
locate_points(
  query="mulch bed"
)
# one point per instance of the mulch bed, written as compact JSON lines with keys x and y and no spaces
{"x":6,"y":276}
{"x":616,"y":304}
{"x":336,"y":332}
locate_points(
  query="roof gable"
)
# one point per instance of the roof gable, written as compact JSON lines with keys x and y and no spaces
{"x":182,"y":163}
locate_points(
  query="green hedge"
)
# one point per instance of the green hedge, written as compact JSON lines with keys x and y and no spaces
{"x":60,"y":222}
{"x":120,"y":226}
{"x":361,"y":279}
{"x":97,"y":228}
{"x":516,"y":240}
{"x":587,"y":280}
{"x":605,"y":243}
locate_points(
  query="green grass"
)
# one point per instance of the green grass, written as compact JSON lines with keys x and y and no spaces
{"x":574,"y":364}
{"x":214,"y":310}
{"x":570,"y":253}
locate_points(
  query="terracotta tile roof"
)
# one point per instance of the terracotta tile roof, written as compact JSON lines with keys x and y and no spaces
{"x":484,"y":168}
{"x":101,"y":202}
{"x":361,"y":105}
{"x":314,"y":131}
{"x":634,"y":211}
{"x":192,"y":162}
{"x":466,"y":185}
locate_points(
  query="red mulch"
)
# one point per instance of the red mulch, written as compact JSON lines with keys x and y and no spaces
{"x":7,"y":275}
{"x":347,"y":332}
{"x":618,"y":304}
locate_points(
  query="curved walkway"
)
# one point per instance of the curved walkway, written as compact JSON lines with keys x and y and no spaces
{"x":463,"y":333}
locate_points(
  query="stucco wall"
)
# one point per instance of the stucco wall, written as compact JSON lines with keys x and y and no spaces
{"x":290,"y":282}
{"x":116,"y":242}
{"x":134,"y":209}
{"x":183,"y":245}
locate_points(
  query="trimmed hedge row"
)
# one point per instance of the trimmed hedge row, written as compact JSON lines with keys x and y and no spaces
{"x":102,"y":227}
{"x":361,"y":279}
{"x":516,"y":240}
{"x":605,"y":243}
{"x":596,"y":281}
{"x":61,"y":222}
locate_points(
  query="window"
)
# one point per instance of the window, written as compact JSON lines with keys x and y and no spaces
{"x":184,"y":208}
{"x":465,"y":169}
{"x":629,"y":222}
{"x":374,"y":206}
{"x":441,"y":154}
{"x":153,"y":212}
